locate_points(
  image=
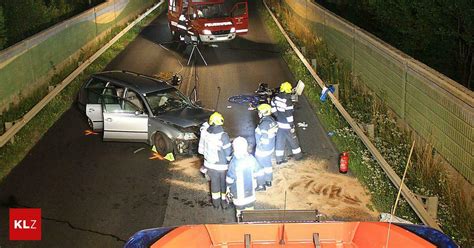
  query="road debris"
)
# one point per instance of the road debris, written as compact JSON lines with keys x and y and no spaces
{"x":138,"y":150}
{"x":302,"y":124}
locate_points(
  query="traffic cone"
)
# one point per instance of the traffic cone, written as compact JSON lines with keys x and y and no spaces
{"x":169,"y":157}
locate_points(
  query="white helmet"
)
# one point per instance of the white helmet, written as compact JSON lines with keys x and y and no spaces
{"x":240,"y":146}
{"x":182,"y":17}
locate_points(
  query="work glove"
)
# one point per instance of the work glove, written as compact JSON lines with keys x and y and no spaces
{"x":203,"y":170}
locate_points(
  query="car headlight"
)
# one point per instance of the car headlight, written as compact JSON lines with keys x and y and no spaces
{"x":206,"y":31}
{"x":187,"y":136}
{"x":232,"y":30}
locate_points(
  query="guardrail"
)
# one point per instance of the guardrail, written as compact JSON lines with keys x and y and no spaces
{"x":437,"y":108}
{"x":406,"y":192}
{"x":10,"y":133}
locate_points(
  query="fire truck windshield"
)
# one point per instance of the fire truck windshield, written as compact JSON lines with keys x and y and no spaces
{"x":208,"y":11}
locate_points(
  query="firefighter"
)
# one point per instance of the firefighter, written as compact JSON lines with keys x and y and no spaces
{"x":203,"y":132}
{"x":265,"y":138}
{"x":282,"y":107}
{"x":183,"y":29}
{"x":216,"y":148}
{"x":241,"y":176}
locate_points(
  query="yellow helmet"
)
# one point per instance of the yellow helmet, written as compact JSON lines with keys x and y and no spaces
{"x":216,"y":119}
{"x":285,"y":87}
{"x":265,"y":109}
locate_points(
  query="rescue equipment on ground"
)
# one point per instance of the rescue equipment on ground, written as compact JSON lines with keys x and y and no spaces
{"x":89,"y":132}
{"x":169,"y":157}
{"x":156,"y":155}
{"x":344,"y":162}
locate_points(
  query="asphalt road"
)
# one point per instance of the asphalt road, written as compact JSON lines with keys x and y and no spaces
{"x":97,"y":194}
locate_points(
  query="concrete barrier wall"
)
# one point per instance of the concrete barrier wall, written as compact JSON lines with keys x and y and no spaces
{"x":30,"y":63}
{"x":436,"y":107}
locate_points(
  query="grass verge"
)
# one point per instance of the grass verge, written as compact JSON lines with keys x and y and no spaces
{"x":12,"y":153}
{"x":427,"y":174}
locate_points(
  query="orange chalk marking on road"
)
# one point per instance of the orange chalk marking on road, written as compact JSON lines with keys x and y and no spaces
{"x":156,"y":155}
{"x":89,"y":132}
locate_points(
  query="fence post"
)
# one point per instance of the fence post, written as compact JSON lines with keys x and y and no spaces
{"x":95,"y":22}
{"x":404,"y":88}
{"x":32,"y":68}
{"x":324,"y":25}
{"x":353,"y":68}
{"x":115,"y":13}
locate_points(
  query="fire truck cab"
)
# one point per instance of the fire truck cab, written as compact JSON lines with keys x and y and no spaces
{"x":210,"y":20}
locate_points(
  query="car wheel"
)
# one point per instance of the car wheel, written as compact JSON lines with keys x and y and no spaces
{"x":162,"y":143}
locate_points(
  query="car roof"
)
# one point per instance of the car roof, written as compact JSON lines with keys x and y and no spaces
{"x":140,"y":83}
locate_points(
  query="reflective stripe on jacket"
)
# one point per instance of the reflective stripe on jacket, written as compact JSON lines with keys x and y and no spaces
{"x":216,"y":148}
{"x":282,"y":107}
{"x":265,"y":136}
{"x":241,"y":178}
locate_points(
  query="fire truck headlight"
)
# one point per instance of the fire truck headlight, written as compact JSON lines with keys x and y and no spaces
{"x":232,"y":30}
{"x":206,"y":31}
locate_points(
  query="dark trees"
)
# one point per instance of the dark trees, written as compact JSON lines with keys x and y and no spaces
{"x":437,"y":32}
{"x":24,"y":18}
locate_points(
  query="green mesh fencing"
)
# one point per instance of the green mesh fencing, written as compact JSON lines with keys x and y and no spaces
{"x":436,"y":107}
{"x":25,"y":65}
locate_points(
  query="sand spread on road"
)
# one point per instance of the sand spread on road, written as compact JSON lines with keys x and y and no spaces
{"x":307,"y":184}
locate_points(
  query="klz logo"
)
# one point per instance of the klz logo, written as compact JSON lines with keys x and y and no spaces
{"x":25,"y":224}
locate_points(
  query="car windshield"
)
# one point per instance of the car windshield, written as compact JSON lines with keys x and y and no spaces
{"x":166,"y":100}
{"x":208,"y":11}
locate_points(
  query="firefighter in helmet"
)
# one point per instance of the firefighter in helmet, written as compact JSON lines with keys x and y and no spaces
{"x":265,"y":139}
{"x":241,"y":176}
{"x":282,"y":107}
{"x":217,"y":151}
{"x":183,"y":29}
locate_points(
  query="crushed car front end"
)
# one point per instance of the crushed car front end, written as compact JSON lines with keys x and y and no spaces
{"x":186,"y":142}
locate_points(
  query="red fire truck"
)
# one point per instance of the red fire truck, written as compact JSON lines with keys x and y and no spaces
{"x":210,"y":20}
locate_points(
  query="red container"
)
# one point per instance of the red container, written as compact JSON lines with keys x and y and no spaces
{"x":344,"y":162}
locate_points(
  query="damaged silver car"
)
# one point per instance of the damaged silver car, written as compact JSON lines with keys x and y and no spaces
{"x":131,"y":107}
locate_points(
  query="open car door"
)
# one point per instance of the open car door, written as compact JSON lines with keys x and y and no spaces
{"x":94,"y":115}
{"x":240,"y":17}
{"x":124,"y":121}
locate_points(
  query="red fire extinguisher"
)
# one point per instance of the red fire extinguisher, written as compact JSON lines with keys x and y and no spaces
{"x":344,"y":162}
